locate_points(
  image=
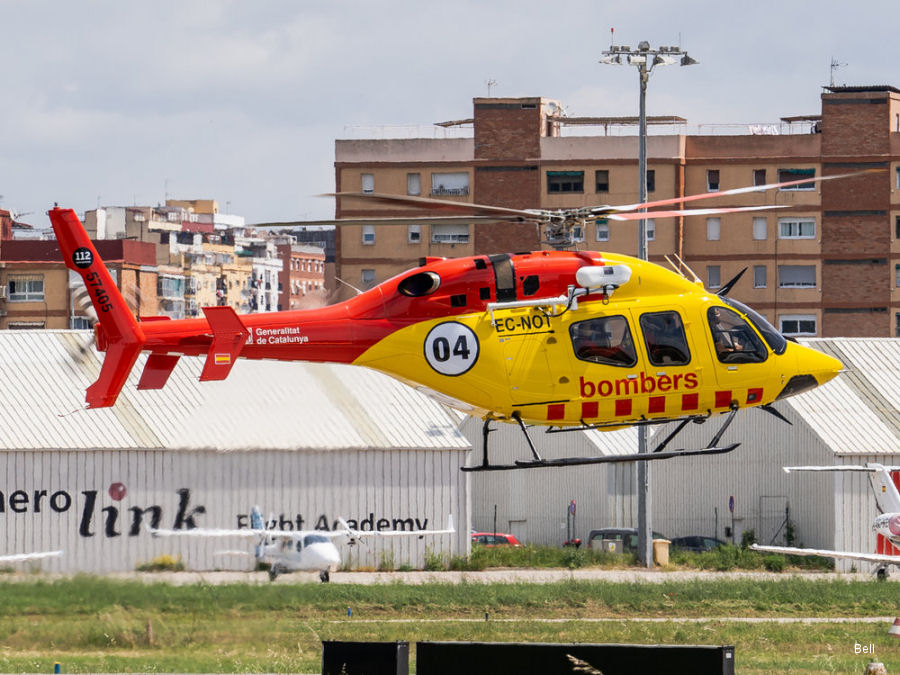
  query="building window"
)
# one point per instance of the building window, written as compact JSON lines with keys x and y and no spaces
{"x":712,"y":180}
{"x":368,"y":234}
{"x":897,"y":275}
{"x":786,"y":175}
{"x":368,"y":183}
{"x":798,"y":324}
{"x":897,"y":228}
{"x":651,"y":180}
{"x":759,"y":176}
{"x":897,"y":324}
{"x":713,"y":276}
{"x":577,"y":233}
{"x":414,"y":234}
{"x":898,"y":175}
{"x":796,"y":276}
{"x":453,"y":184}
{"x":414,"y":184}
{"x":760,"y":228}
{"x":601,"y":180}
{"x":565,"y":181}
{"x":797,"y":228}
{"x":713,"y":229}
{"x":759,"y":276}
{"x":26,"y":289}
{"x":449,"y":234}
{"x":602,"y":230}
{"x":368,"y":278}
{"x":80,"y":323}
{"x":651,"y":229}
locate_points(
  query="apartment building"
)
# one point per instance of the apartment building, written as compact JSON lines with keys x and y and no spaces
{"x":826,"y":262}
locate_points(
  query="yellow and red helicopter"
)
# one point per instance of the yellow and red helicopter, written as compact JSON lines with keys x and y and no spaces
{"x":563,"y":339}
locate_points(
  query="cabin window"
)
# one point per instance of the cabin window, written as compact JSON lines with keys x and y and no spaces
{"x":315,"y":539}
{"x":299,"y":546}
{"x":605,"y":340}
{"x":733,"y":338}
{"x":665,"y":339}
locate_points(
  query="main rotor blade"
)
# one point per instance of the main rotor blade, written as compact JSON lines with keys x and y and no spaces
{"x":443,"y":204}
{"x":690,"y":212}
{"x":734,"y":191}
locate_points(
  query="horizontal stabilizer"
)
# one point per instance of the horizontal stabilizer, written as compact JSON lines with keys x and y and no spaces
{"x":157,"y":370}
{"x":229,"y":337}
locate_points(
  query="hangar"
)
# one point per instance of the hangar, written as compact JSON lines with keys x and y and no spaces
{"x":853,"y":419}
{"x":308,"y":443}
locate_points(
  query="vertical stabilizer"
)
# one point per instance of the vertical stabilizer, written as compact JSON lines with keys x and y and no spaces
{"x":886,"y":494}
{"x":118,"y":332}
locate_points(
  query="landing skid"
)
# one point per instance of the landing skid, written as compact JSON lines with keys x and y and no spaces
{"x":659,"y":452}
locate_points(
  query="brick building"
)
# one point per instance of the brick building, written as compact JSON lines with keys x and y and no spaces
{"x":826,"y":263}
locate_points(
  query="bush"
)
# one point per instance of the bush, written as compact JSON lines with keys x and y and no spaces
{"x":774,"y":563}
{"x":162,"y":563}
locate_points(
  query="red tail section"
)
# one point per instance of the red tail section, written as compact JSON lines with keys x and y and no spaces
{"x":118,"y":333}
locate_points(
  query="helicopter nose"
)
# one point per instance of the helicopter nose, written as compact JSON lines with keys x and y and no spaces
{"x":813,"y":368}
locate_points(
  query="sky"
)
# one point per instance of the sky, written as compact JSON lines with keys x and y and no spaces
{"x":119,"y":103}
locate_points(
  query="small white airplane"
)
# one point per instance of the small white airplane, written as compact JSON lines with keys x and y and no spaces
{"x":886,"y":524}
{"x":25,"y":557}
{"x":298,"y":550}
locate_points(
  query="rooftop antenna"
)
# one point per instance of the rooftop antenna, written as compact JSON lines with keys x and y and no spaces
{"x":834,"y":66}
{"x":490,"y":82}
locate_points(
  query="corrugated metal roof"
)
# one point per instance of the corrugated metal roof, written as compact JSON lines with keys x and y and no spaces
{"x":262,"y":404}
{"x":858,"y":412}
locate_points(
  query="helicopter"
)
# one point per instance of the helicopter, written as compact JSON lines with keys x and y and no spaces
{"x":562,"y":339}
{"x":297,"y":550}
{"x":886,"y":525}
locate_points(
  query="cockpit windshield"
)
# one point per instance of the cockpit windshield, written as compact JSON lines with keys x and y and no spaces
{"x":314,"y":539}
{"x":776,"y":341}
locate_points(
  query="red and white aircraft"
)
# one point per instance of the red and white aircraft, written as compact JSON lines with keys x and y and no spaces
{"x":886,"y":525}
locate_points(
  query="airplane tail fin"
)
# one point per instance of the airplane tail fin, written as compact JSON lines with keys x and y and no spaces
{"x":887,"y":495}
{"x":118,"y":332}
{"x":256,"y":519}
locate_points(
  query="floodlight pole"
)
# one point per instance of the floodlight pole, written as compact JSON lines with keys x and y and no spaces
{"x":645,"y":59}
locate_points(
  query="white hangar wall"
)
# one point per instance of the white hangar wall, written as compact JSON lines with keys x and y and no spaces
{"x":295,"y":438}
{"x":96,"y":505}
{"x":533,"y":503}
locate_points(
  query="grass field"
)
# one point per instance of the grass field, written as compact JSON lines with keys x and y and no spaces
{"x":91,"y":624}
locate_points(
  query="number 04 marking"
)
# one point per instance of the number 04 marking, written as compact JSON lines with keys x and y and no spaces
{"x":451,"y":348}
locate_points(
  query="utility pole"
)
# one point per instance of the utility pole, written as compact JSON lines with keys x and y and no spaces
{"x":645,"y":59}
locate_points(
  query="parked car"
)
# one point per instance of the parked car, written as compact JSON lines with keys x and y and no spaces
{"x":627,"y":535}
{"x":697,"y":543}
{"x":494,"y":539}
